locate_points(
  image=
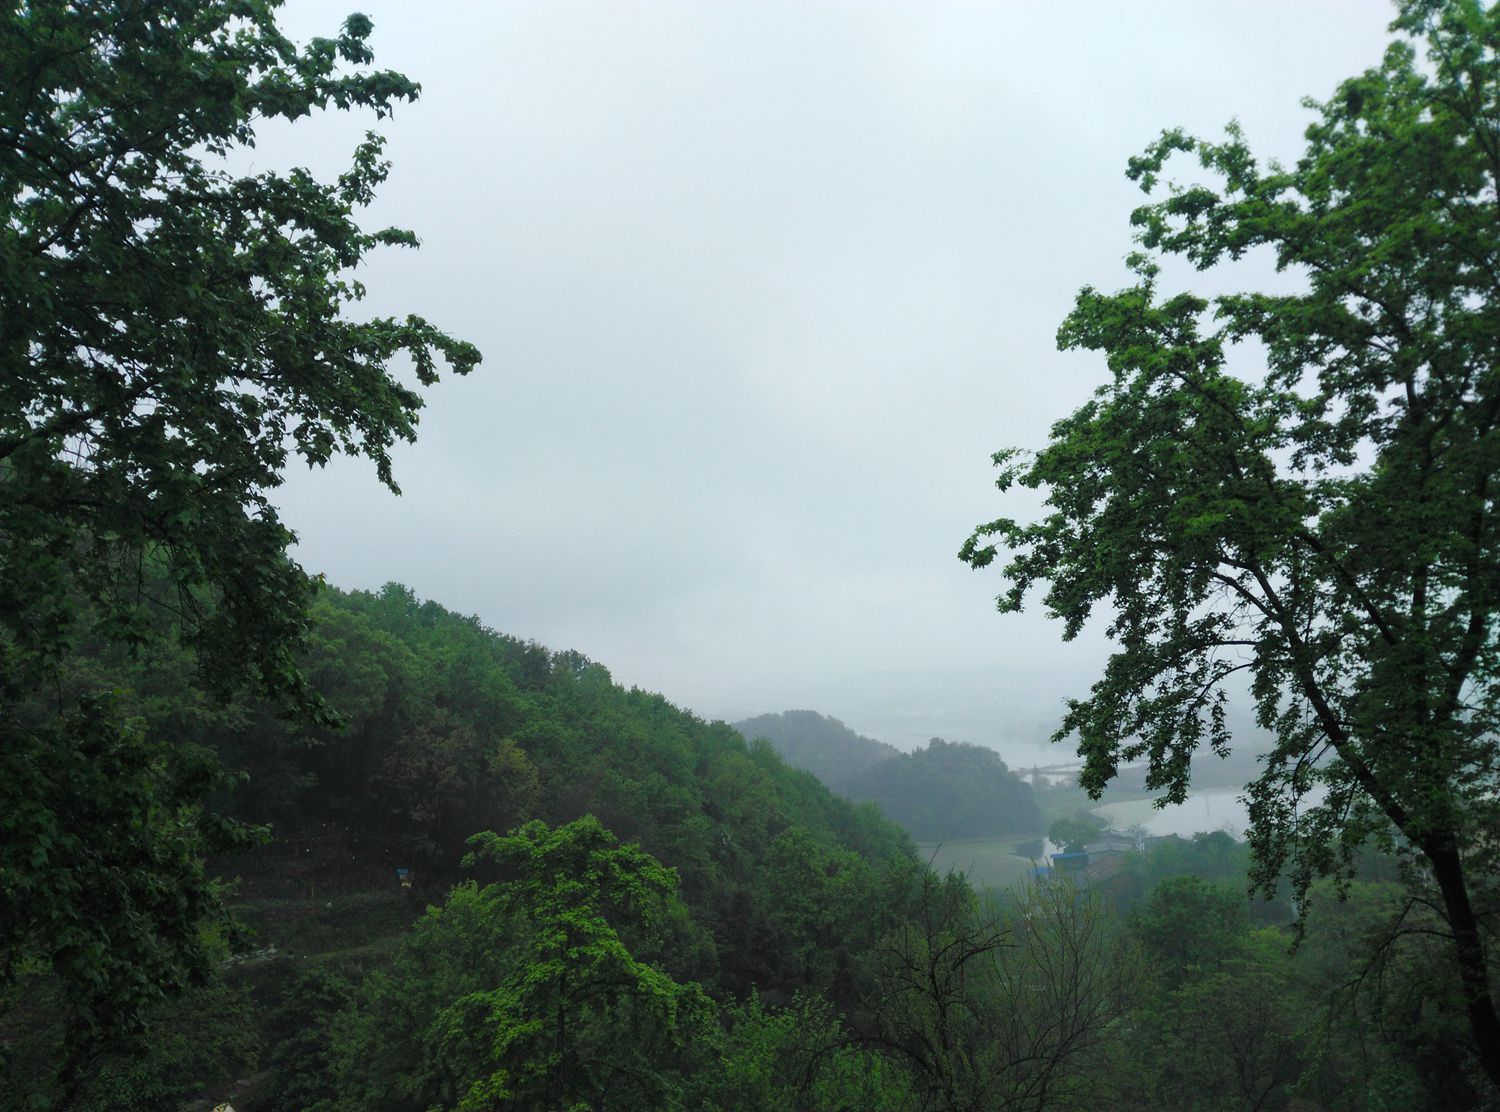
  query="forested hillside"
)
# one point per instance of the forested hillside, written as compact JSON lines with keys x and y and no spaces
{"x":450,"y":729}
{"x":822,"y":745}
{"x":439,"y":729}
{"x":616,"y":904}
{"x":950,"y":790}
{"x":278,"y":846}
{"x":945,"y":790}
{"x":765,"y":943}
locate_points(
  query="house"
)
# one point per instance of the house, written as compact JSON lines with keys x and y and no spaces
{"x":1066,"y":863}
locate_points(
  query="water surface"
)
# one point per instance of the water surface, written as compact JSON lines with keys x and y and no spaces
{"x":1202,"y":811}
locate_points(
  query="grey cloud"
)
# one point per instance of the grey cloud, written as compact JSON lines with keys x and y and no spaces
{"x":760,"y":286}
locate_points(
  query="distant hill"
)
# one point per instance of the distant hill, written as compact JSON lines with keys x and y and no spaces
{"x":824,"y":746}
{"x":947,"y":790}
{"x":950,"y":790}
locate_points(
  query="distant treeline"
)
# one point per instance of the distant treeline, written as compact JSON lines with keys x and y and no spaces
{"x":947,"y":790}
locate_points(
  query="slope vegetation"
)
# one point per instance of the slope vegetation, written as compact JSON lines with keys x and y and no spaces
{"x":947,"y":790}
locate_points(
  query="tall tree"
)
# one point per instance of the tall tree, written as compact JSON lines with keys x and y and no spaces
{"x":170,"y":333}
{"x":548,"y":988}
{"x":1328,"y":524}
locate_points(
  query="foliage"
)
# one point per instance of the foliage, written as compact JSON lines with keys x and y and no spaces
{"x":1215,"y":857}
{"x":524,"y":993}
{"x":800,"y":1057}
{"x":823,"y":908}
{"x":1075,"y":833}
{"x":1327,"y":526}
{"x":168,"y":331}
{"x":580,"y":1016}
{"x":947,"y":790}
{"x":1188,"y":923}
{"x":1396,"y":1032}
{"x":824,"y":746}
{"x":301,"y":1059}
{"x":994,"y":1011}
{"x":1232,"y":1034}
{"x":207,"y":1038}
{"x":451,"y":727}
{"x":793,"y":893}
{"x":204,"y":1035}
{"x":950,"y":790}
{"x":103,"y":882}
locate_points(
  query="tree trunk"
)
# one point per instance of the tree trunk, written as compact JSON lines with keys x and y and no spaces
{"x":1473,"y":970}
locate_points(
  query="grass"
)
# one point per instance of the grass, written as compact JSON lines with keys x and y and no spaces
{"x":988,"y":862}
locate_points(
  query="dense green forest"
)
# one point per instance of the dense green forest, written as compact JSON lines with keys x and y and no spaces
{"x":944,"y":790}
{"x":664,"y":914}
{"x":268,"y":841}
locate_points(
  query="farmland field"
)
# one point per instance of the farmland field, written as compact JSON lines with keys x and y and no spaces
{"x":988,"y":862}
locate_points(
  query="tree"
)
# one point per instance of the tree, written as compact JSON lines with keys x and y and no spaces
{"x":1326,"y":526}
{"x":169,"y":334}
{"x":1189,"y":923}
{"x":996,"y":1011}
{"x":1395,"y":1023}
{"x":799,"y":1057}
{"x":1073,"y":834}
{"x":547,"y":988}
{"x":580,"y":1017}
{"x":1234,"y":1035}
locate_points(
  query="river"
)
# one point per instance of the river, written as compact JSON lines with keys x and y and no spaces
{"x":1203,"y":811}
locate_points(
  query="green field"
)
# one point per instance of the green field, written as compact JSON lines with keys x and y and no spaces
{"x":987,"y":862}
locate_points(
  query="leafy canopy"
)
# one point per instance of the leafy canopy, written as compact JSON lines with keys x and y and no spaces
{"x":170,"y":335}
{"x":1328,"y":525}
{"x":544,"y":989}
{"x":170,"y":331}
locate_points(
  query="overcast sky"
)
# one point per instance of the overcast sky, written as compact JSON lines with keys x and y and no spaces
{"x":759,"y":287}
